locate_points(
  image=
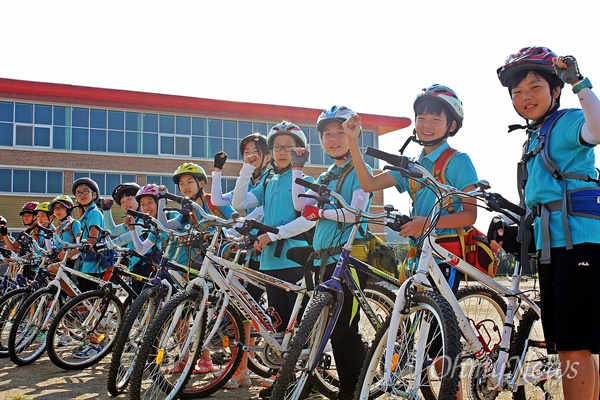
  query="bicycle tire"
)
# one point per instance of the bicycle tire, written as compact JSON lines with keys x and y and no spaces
{"x":425,"y":306}
{"x":26,"y":341}
{"x":381,"y":299}
{"x":105,"y":320}
{"x":537,"y":360}
{"x":129,"y":336}
{"x":9,"y":306}
{"x":308,"y":336}
{"x":149,"y":378}
{"x":225,"y":353}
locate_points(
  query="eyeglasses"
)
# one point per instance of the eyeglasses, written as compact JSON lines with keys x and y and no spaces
{"x":83,"y":192}
{"x":284,"y":148}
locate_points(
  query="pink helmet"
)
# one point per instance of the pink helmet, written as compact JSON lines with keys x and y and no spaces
{"x":150,"y":189}
{"x":528,"y":58}
{"x":29,"y":207}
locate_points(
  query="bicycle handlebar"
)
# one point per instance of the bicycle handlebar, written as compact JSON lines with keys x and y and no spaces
{"x":148,"y":219}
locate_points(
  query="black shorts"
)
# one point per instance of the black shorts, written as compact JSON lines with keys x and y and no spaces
{"x":570,"y":293}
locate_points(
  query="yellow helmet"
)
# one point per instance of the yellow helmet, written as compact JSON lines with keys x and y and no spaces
{"x":65,"y":200}
{"x":190,"y":169}
{"x":43,"y":206}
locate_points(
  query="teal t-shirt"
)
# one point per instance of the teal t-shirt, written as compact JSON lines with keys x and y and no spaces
{"x":328,"y":233}
{"x":572,"y":155}
{"x":278,"y":208}
{"x":68,"y":231}
{"x":91,"y":217}
{"x":459,"y":173}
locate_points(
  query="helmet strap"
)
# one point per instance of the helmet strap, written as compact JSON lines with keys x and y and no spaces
{"x":423,"y":143}
{"x":343,"y":157}
{"x":278,"y":170}
{"x":534,"y":124}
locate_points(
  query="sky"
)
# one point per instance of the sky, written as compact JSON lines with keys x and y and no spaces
{"x":371,"y":56}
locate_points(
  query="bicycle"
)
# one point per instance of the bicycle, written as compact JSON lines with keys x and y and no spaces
{"x":520,"y":364}
{"x":83,"y":331}
{"x":324,"y":307}
{"x":160,"y":288}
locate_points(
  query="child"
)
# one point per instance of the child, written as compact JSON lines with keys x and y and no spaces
{"x":569,"y":242}
{"x":332,"y":226}
{"x":275,"y":195}
{"x":438,"y":115}
{"x":69,"y":228}
{"x":28,"y":216}
{"x":190,"y":179}
{"x":253,"y":144}
{"x":86,"y":192}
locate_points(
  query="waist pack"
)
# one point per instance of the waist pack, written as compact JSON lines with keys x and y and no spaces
{"x":472,"y":246}
{"x":375,"y":252}
{"x":584,"y":202}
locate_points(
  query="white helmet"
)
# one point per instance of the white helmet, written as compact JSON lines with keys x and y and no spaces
{"x":287,"y":128}
{"x":335,"y":113}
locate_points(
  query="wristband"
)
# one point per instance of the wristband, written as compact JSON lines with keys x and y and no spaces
{"x":582,"y":85}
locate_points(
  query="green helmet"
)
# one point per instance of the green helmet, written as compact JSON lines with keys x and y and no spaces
{"x":190,"y":169}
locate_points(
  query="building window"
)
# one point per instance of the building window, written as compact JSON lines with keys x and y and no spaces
{"x":31,"y":181}
{"x":106,"y":182}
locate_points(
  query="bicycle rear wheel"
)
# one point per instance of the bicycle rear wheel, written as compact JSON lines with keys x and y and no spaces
{"x":164,"y":362}
{"x":426,"y":354}
{"x":537,"y":361}
{"x":27,"y":338}
{"x":129,"y":337}
{"x":83,"y":331}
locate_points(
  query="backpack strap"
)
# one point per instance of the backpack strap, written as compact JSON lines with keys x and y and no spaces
{"x":214,"y":210}
{"x":439,"y":171}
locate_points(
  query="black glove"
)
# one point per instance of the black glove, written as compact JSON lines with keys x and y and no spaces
{"x":571,"y":73}
{"x":496,"y":225}
{"x":299,"y":161}
{"x":220,"y":159}
{"x":3,"y":230}
{"x":104,"y":204}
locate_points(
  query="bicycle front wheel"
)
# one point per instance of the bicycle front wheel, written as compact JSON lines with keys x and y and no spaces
{"x":170,"y":348}
{"x":129,"y":337}
{"x":84,"y":330}
{"x":27,"y":338}
{"x":293,"y":379}
{"x":426,"y":354}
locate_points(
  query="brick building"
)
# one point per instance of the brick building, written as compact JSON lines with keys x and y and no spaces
{"x":52,"y":134}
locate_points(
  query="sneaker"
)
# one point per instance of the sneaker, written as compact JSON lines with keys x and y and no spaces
{"x":65,"y":340}
{"x":177,"y":368}
{"x":88,"y":352}
{"x":268,"y":382}
{"x":203,"y":367}
{"x":241,"y":378}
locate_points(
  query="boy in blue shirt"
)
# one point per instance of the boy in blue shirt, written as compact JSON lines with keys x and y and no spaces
{"x":566,"y":224}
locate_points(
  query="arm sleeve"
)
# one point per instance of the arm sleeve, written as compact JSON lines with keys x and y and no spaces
{"x":140,"y":247}
{"x":300,"y":202}
{"x":241,"y":198}
{"x":360,"y":199}
{"x":217,"y":197}
{"x":174,"y":223}
{"x":292,"y":228}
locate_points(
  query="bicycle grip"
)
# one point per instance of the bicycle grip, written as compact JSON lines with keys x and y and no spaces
{"x":393,"y":159}
{"x":139,"y":214}
{"x":507,"y":205}
{"x":174,"y":197}
{"x":254,"y":224}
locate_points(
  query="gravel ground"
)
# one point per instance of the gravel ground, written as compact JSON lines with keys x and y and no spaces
{"x":42,"y":380}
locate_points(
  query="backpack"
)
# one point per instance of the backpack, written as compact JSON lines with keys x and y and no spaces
{"x":468,"y":243}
